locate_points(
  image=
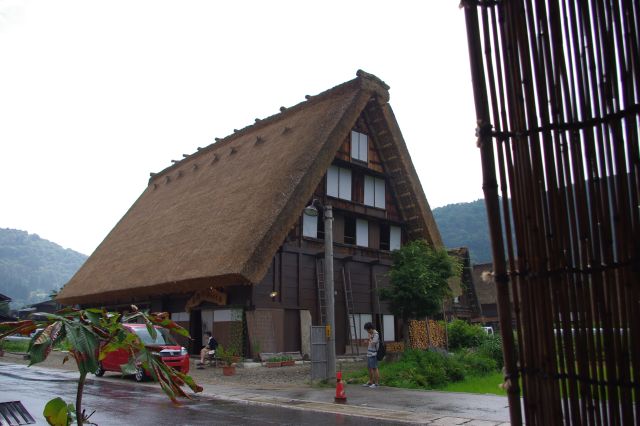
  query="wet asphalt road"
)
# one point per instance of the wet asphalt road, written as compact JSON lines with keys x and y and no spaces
{"x":121,"y":401}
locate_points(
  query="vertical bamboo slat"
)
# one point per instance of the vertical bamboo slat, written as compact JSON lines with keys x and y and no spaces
{"x":557,"y":96}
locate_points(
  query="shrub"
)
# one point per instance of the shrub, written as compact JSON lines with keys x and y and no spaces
{"x":464,"y":335}
{"x":491,"y":347}
{"x":454,"y":369}
{"x":475,"y":363}
{"x":418,"y":369}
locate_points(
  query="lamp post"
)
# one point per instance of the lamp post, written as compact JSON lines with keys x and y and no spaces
{"x":312,"y":210}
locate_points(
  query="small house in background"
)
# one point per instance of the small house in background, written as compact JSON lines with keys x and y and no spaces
{"x":464,"y":302}
{"x":47,"y":306}
{"x":219,"y":238}
{"x":5,"y":316}
{"x":485,"y":287}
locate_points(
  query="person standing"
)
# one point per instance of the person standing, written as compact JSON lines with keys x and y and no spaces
{"x":372,"y":360}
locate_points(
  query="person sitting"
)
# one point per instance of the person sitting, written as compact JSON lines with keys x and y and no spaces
{"x":209,"y":349}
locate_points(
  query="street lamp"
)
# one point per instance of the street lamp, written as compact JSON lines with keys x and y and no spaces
{"x":312,"y":210}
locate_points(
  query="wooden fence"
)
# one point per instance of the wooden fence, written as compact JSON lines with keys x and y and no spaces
{"x":557,"y":92}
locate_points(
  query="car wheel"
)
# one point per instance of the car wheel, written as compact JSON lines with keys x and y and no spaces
{"x":99,"y":371}
{"x":140,"y":374}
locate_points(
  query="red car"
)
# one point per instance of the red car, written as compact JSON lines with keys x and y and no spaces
{"x":171,"y":353}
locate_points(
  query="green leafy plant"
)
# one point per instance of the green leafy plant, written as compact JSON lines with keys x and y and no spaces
{"x":226,"y":355}
{"x":91,"y":334}
{"x":491,"y":347}
{"x":236,"y":338}
{"x":418,"y":282}
{"x":464,"y":335}
{"x":255,"y":348}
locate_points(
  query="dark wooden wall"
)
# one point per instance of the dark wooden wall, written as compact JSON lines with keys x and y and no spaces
{"x":293,"y":275}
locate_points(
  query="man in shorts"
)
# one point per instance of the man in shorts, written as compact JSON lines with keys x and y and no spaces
{"x":209,"y":348}
{"x":372,"y":352}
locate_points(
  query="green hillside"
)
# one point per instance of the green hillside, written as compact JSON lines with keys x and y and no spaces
{"x":31,"y":267}
{"x":465,"y":224}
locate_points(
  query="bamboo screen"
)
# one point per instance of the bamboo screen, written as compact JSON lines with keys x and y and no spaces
{"x":557,"y":89}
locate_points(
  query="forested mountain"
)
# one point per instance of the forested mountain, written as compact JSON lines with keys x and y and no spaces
{"x":31,"y":267}
{"x":465,"y":224}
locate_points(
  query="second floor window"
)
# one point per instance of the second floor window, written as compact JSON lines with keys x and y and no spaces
{"x":356,"y":231}
{"x":339,"y":182}
{"x":359,"y":146}
{"x":374,"y":192}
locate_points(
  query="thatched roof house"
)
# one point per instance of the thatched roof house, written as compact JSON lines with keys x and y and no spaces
{"x":217,"y":217}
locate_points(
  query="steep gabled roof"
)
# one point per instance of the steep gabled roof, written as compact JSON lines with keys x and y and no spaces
{"x":218,"y":216}
{"x":484,"y":283}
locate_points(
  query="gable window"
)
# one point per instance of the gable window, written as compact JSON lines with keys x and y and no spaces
{"x":362,"y":233}
{"x":395,"y":237}
{"x":374,"y":192}
{"x":359,"y":146}
{"x":339,"y":182}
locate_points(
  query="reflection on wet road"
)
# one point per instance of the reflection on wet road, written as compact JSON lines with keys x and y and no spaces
{"x":119,"y":401}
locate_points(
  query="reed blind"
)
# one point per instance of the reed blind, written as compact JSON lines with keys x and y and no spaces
{"x":557,"y":92}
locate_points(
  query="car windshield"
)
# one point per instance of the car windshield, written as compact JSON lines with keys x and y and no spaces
{"x":162,"y":338}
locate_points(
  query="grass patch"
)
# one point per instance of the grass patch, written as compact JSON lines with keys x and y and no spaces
{"x":15,"y":345}
{"x":488,"y":384}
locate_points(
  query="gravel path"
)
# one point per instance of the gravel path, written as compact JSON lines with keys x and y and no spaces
{"x":256,"y":377}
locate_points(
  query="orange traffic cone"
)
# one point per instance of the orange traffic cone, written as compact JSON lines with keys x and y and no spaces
{"x":341,"y":397}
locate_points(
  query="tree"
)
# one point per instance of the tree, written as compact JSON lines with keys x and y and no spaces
{"x":419,"y":284}
{"x":91,"y":334}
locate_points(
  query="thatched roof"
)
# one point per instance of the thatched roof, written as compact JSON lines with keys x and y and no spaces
{"x":484,"y":283}
{"x":218,"y":216}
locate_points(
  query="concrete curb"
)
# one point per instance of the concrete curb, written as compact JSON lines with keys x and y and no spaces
{"x":324,"y":407}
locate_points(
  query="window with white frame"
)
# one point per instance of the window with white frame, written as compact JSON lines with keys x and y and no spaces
{"x":359,"y":146}
{"x":309,"y":225}
{"x":360,"y":320}
{"x":395,"y":237}
{"x":388,"y":327}
{"x":339,"y":182}
{"x":374,"y":192}
{"x":362,"y":233}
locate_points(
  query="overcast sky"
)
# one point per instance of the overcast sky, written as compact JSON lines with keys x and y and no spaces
{"x":94,"y":95}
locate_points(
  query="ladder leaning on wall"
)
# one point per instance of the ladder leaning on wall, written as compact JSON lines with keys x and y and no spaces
{"x":322,"y":300}
{"x":348,"y":303}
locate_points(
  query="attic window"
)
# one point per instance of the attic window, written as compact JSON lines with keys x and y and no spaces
{"x":359,"y":146}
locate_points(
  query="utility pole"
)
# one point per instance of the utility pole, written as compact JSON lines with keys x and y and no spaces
{"x":329,"y":292}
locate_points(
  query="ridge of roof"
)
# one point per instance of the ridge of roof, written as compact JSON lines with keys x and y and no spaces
{"x":363,"y":81}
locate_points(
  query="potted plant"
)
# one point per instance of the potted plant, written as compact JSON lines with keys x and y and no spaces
{"x":273,"y":362}
{"x":227,"y":356}
{"x":287,"y":361}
